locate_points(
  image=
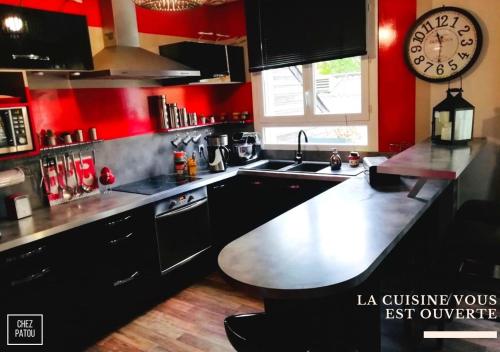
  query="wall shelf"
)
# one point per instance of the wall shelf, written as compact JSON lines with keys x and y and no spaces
{"x":187,"y":128}
{"x":64,"y":147}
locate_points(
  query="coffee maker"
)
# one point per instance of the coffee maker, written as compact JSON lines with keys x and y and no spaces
{"x":245,"y":148}
{"x":218,"y":153}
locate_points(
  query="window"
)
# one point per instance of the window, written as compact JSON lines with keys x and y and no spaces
{"x":329,"y":100}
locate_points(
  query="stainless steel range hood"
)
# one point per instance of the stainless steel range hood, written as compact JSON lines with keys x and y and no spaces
{"x":123,"y":58}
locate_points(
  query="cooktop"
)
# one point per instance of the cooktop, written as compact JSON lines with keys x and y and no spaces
{"x":155,"y":184}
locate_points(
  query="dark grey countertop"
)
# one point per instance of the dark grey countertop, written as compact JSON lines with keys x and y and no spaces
{"x":329,"y":243}
{"x":50,"y":221}
{"x":334,"y":241}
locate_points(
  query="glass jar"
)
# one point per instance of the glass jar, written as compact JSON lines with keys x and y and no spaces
{"x":354,"y":159}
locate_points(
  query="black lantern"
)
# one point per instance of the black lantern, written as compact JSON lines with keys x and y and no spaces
{"x":453,"y":119}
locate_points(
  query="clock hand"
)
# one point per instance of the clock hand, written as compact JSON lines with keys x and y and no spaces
{"x":440,"y":46}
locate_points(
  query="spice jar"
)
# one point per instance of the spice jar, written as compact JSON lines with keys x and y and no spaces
{"x":335,"y":160}
{"x":354,"y":159}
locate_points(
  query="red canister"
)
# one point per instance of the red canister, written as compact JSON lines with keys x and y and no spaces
{"x":180,"y":162}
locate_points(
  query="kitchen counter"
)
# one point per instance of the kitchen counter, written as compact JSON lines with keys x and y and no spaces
{"x":50,"y":221}
{"x":334,"y":241}
{"x":328,"y":244}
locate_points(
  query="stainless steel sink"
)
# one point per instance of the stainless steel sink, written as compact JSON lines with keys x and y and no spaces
{"x":308,"y":167}
{"x":289,"y":166}
{"x":272,"y":165}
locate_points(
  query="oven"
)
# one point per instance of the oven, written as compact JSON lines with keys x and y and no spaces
{"x":15,"y":132}
{"x":182,"y":228}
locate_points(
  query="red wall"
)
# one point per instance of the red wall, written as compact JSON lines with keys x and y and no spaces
{"x":121,"y":112}
{"x":396,"y":84}
{"x":124,"y":112}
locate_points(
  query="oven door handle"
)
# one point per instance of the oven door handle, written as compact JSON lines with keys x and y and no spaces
{"x":183,"y":209}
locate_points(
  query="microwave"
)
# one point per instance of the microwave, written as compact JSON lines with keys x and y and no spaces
{"x":15,"y":131}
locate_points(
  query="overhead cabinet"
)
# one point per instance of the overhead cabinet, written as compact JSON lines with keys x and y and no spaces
{"x":35,"y":39}
{"x":214,"y":61}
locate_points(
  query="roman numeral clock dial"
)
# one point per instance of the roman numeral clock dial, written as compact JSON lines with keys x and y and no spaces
{"x":443,"y":44}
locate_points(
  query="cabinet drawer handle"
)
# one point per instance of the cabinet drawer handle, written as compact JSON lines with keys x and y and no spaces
{"x":119,"y":221}
{"x":294,"y":187}
{"x":26,"y":255}
{"x":30,"y":278}
{"x":118,"y":240}
{"x":127,"y":280}
{"x":257,"y":183}
{"x":218,"y":187}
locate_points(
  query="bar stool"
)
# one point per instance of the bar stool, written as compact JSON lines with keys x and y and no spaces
{"x":255,"y":333}
{"x":247,"y":332}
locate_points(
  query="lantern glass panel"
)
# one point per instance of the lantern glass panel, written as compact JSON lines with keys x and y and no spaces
{"x":463,"y":124}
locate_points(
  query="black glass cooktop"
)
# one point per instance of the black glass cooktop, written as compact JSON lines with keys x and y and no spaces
{"x":155,"y":184}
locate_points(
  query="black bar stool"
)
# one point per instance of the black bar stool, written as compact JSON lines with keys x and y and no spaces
{"x":255,"y":333}
{"x":247,"y":332}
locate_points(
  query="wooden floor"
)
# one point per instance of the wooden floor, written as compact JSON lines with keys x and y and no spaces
{"x":192,"y":321}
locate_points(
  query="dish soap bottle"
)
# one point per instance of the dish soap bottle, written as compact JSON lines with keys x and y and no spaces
{"x":335,"y":160}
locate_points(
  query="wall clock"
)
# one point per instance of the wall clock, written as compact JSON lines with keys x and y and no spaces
{"x":443,"y":44}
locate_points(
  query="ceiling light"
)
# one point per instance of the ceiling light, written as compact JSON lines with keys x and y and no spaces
{"x":169,"y":5}
{"x":13,"y":24}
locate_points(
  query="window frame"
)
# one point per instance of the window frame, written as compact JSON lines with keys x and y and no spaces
{"x":369,"y":102}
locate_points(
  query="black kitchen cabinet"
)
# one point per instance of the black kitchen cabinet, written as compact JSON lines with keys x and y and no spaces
{"x":228,"y":211}
{"x":118,"y":270}
{"x":242,"y":203}
{"x":36,"y":279}
{"x":86,"y":282}
{"x":292,"y":192}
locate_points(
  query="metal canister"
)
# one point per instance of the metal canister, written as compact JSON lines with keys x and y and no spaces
{"x":173,"y":117}
{"x":183,"y":117}
{"x":163,"y":109}
{"x":193,"y":119}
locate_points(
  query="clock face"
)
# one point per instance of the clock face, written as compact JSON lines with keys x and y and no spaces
{"x":443,"y":44}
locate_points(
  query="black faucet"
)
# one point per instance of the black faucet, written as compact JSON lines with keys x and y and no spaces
{"x":298,"y":156}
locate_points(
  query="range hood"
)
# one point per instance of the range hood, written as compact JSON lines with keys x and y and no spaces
{"x":123,"y":58}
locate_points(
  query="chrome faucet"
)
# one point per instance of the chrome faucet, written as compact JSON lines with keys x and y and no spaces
{"x":298,"y":156}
